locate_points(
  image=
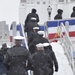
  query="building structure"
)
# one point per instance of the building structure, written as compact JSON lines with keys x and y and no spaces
{"x":41,"y":7}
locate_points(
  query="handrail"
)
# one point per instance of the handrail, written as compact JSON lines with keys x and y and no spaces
{"x":67,"y":44}
{"x":46,"y":30}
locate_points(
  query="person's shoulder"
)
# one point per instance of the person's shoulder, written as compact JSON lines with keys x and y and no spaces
{"x":9,"y":51}
{"x":55,"y":16}
{"x":10,"y":48}
{"x":15,"y":48}
{"x":29,"y":13}
{"x":34,"y":54}
{"x":24,"y":48}
{"x":36,"y":14}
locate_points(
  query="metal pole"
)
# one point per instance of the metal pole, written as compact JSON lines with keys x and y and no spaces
{"x":67,"y":26}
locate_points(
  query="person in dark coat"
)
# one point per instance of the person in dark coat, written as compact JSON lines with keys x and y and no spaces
{"x":33,"y":35}
{"x":16,"y":58}
{"x":59,"y":14}
{"x":48,"y":50}
{"x":32,"y":20}
{"x":42,"y":61}
{"x":39,"y":39}
{"x":3,"y":69}
{"x":73,"y":13}
{"x":32,"y":17}
{"x":4,"y":49}
{"x":29,"y":27}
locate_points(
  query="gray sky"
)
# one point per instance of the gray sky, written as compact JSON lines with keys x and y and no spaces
{"x":9,"y":10}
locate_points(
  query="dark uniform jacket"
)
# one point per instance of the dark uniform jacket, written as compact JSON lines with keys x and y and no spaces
{"x":40,"y":40}
{"x":4,"y":50}
{"x":53,"y":57}
{"x":41,"y":63}
{"x":32,"y":36}
{"x":30,"y":26}
{"x":3,"y":68}
{"x":58,"y":16}
{"x":37,"y":40}
{"x":16,"y":58}
{"x":73,"y":14}
{"x":31,"y":21}
{"x":30,"y":17}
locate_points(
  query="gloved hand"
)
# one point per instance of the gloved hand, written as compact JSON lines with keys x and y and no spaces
{"x":56,"y":70}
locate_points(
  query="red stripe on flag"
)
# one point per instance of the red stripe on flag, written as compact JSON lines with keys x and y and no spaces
{"x":72,"y":34}
{"x":11,"y":38}
{"x":53,"y":35}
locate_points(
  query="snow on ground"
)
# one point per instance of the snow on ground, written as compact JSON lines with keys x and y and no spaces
{"x":64,"y":67}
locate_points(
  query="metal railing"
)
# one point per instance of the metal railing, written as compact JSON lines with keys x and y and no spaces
{"x":67,"y":44}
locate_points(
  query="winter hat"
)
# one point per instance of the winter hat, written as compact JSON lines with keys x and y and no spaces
{"x":39,"y":45}
{"x":59,"y":10}
{"x":36,"y":28}
{"x":40,"y":32}
{"x":46,"y":44}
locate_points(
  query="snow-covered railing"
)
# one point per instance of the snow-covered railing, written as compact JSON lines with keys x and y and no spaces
{"x":67,"y":44}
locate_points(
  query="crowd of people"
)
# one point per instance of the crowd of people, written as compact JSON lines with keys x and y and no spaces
{"x":17,"y":60}
{"x":40,"y":58}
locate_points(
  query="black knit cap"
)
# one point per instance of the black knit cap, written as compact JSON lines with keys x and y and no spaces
{"x":59,"y":10}
{"x":34,"y":10}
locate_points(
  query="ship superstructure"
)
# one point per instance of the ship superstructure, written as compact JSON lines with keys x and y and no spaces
{"x":41,"y":7}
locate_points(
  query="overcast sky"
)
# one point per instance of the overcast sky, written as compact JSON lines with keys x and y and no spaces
{"x":9,"y":10}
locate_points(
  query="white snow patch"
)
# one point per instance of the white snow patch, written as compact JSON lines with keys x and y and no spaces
{"x":64,"y":67}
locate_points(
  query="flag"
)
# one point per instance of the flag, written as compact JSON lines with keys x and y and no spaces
{"x":54,"y":31}
{"x":71,"y":22}
{"x":48,"y":31}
